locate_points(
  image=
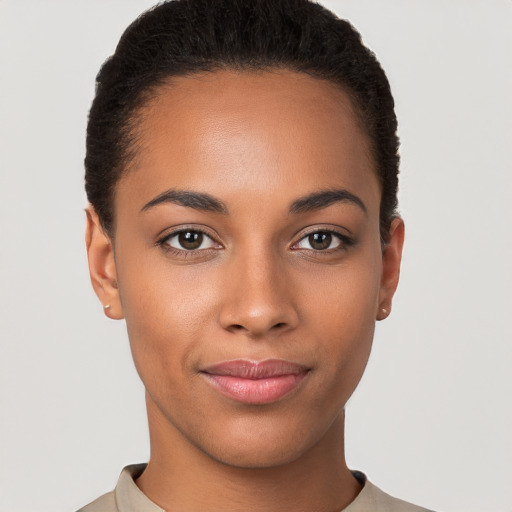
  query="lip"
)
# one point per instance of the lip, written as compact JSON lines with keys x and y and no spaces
{"x":255,"y":382}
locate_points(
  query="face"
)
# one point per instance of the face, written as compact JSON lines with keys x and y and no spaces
{"x":247,"y":262}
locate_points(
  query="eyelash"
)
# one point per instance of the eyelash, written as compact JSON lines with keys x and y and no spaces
{"x":163,"y":242}
{"x":345,"y":242}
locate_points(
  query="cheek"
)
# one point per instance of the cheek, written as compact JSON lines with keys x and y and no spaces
{"x":344,"y":319}
{"x":168,"y":312}
{"x":346,"y":296}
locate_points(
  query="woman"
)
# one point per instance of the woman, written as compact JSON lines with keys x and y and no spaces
{"x":242,"y":172}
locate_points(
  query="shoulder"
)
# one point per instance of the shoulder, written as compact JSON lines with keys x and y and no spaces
{"x":126,"y":497}
{"x":387,"y":503}
{"x":375,"y":499}
{"x":105,"y":503}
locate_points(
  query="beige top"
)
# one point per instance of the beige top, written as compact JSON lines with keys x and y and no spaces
{"x":127,"y":497}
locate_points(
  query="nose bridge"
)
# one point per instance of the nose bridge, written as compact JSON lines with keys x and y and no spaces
{"x":258,"y":299}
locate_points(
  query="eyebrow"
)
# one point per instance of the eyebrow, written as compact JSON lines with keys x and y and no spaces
{"x":323,"y":199}
{"x":196,"y":200}
{"x":206,"y":202}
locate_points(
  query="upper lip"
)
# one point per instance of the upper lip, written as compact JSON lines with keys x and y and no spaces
{"x":247,"y":369}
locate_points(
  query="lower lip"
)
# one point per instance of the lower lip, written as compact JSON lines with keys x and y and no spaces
{"x":255,"y":391}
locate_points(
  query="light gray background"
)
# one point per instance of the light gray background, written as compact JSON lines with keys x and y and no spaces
{"x":431,"y":421}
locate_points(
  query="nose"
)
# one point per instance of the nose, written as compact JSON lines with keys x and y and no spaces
{"x":258,"y":300}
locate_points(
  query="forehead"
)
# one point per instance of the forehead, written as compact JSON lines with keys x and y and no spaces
{"x":231,"y":132}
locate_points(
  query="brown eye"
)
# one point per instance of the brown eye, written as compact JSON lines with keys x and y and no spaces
{"x":321,"y":241}
{"x":190,"y":240}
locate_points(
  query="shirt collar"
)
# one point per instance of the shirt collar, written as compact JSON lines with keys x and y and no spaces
{"x":129,"y":498}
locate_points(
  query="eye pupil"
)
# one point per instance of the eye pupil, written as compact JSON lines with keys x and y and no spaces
{"x":320,"y":240}
{"x":190,"y":239}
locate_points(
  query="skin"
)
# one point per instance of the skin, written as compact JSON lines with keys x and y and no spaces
{"x":256,"y":289}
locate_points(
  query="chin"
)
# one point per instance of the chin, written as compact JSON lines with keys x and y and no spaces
{"x":260,"y":445}
{"x":256,"y":457}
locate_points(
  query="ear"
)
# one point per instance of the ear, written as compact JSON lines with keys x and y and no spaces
{"x":102,"y":266}
{"x":391,"y":259}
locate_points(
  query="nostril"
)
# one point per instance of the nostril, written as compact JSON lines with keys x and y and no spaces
{"x":240,"y":327}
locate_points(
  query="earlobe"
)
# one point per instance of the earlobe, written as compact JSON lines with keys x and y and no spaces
{"x":391,"y":260}
{"x":102,"y":267}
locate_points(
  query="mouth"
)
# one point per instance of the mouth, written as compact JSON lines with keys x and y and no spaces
{"x":250,"y":382}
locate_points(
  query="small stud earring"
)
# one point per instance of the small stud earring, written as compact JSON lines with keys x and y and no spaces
{"x":106,"y":306}
{"x":384,"y":310}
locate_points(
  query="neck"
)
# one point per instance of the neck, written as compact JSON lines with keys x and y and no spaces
{"x":181,"y":477}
